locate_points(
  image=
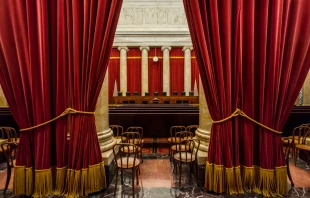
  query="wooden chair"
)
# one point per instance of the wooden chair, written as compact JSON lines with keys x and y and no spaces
{"x":9,"y":133}
{"x":139,"y":130}
{"x":117,"y":131}
{"x":296,"y":138}
{"x":183,"y":135}
{"x":303,"y":146}
{"x":192,"y":128}
{"x":133,"y":138}
{"x":125,"y":160}
{"x":9,"y":149}
{"x":173,"y":139}
{"x":187,"y":156}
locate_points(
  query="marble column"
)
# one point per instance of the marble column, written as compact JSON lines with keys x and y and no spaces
{"x":204,"y":130}
{"x":306,"y":91}
{"x":105,"y":134}
{"x":123,"y":69}
{"x":3,"y":102}
{"x":187,"y":69}
{"x":144,"y":69}
{"x":166,"y":69}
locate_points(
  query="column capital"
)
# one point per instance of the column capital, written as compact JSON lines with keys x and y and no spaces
{"x":187,"y":47}
{"x":165,"y":47}
{"x":123,"y":48}
{"x":144,"y":47}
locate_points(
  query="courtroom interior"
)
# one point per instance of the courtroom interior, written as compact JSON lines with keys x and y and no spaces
{"x":163,"y":98}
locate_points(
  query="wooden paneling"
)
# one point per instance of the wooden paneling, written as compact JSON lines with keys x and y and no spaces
{"x":154,"y":99}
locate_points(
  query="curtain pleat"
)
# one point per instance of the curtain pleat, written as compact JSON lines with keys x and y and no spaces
{"x":155,"y":75}
{"x":134,"y":71}
{"x":176,"y":70}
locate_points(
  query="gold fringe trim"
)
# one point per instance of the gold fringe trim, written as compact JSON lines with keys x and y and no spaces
{"x":269,"y":182}
{"x":248,"y":179}
{"x":19,"y":180}
{"x":86,"y":181}
{"x":43,"y":183}
{"x":60,"y":182}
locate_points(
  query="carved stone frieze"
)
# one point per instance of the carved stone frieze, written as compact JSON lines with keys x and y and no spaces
{"x":152,"y":16}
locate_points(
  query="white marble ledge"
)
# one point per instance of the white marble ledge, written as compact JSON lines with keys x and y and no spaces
{"x":108,"y":155}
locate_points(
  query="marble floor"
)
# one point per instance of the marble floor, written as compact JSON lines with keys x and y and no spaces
{"x":157,"y":180}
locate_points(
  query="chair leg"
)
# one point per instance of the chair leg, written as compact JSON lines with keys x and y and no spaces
{"x":122,"y":181}
{"x":133,"y":182}
{"x":8,"y":177}
{"x":137,"y":175}
{"x":116,"y":176}
{"x":180,"y":174}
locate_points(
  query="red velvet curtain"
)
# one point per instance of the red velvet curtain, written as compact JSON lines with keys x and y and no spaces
{"x":134,"y":70}
{"x":176,"y":70}
{"x":194,"y":72}
{"x":252,"y":55}
{"x":114,"y":71}
{"x":53,"y":55}
{"x":155,"y":71}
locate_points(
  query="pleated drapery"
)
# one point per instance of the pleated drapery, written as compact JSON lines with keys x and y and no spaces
{"x":53,"y":57}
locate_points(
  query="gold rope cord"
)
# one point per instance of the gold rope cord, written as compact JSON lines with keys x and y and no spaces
{"x":67,"y":111}
{"x":241,"y":113}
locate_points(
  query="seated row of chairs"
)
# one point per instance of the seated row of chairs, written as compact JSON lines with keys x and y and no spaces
{"x":175,"y":93}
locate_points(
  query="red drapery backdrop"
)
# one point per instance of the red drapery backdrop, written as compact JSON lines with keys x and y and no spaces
{"x":53,"y":56}
{"x":194,"y":72}
{"x":155,"y":71}
{"x":134,"y":70}
{"x":176,"y":70}
{"x":114,"y":72}
{"x":252,"y":55}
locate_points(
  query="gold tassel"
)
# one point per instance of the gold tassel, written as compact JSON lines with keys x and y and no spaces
{"x":19,"y":180}
{"x":29,"y":181}
{"x":248,"y":179}
{"x":76,"y":184}
{"x":95,"y":181}
{"x":209,"y":177}
{"x":60,"y":181}
{"x":281,"y":180}
{"x":267,"y":182}
{"x":219,"y":178}
{"x":43,"y":183}
{"x":257,"y":186}
{"x":238,"y":180}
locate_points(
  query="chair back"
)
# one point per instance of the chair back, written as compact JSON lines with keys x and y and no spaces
{"x":192,"y":128}
{"x":189,"y":154}
{"x":299,"y":134}
{"x":9,"y":149}
{"x":175,"y":129}
{"x":125,"y":160}
{"x":117,"y":130}
{"x":136,"y":129}
{"x":132,"y":138}
{"x":8,"y":133}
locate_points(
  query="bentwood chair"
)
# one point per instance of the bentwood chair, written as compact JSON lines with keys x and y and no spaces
{"x":9,"y":133}
{"x":139,"y":130}
{"x":117,"y":131}
{"x":173,"y":139}
{"x":304,"y":146}
{"x":298,"y":138}
{"x":183,"y":135}
{"x":192,"y":128}
{"x":9,"y":149}
{"x":126,"y":160}
{"x":186,"y":156}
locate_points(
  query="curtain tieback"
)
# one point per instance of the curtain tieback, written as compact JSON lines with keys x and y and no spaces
{"x":67,"y":111}
{"x":241,"y":113}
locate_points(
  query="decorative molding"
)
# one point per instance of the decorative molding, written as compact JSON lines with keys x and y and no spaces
{"x":165,"y":47}
{"x":123,"y":48}
{"x":152,"y":16}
